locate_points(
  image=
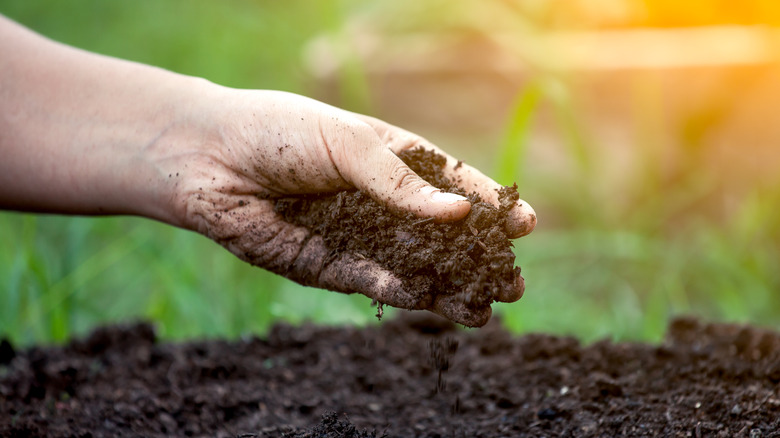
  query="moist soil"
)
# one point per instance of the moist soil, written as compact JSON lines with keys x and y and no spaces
{"x":471,"y":258}
{"x":414,"y":376}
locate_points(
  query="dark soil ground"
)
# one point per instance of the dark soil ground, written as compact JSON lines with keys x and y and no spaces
{"x":414,"y":376}
{"x":471,"y":259}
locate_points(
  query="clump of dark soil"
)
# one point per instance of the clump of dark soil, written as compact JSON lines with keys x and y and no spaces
{"x":331,"y":427}
{"x":471,"y":258}
{"x":704,"y":380}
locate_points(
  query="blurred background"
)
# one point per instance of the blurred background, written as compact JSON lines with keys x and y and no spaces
{"x":643,"y":132}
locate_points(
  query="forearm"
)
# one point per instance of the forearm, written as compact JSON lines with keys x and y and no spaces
{"x":86,"y":134}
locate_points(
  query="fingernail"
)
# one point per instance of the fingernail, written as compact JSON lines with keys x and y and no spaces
{"x":447,"y":198}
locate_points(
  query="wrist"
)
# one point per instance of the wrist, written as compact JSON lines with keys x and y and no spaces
{"x":175,"y":162}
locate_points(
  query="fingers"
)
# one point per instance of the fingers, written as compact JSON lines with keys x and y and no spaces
{"x":369,"y":165}
{"x":453,"y":308}
{"x":512,"y":292}
{"x":351,"y":273}
{"x":522,"y":217}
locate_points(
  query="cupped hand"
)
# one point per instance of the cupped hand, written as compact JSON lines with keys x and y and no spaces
{"x":269,"y":144}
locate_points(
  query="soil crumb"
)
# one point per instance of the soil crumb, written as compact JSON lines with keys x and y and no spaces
{"x":704,"y":380}
{"x":332,"y":427}
{"x":471,"y":258}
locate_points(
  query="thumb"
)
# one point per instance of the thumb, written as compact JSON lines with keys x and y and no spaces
{"x":366,"y":163}
{"x":393,"y":184}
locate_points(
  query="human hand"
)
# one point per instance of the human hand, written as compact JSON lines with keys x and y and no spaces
{"x":87,"y":134}
{"x":269,"y":144}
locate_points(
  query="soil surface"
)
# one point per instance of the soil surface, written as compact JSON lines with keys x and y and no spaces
{"x":414,"y":376}
{"x":471,"y":259}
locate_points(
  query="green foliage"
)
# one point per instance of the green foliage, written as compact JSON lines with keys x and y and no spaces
{"x":512,"y":152}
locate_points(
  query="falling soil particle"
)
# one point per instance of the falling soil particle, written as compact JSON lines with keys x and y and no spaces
{"x":704,"y":380}
{"x":442,"y":352}
{"x":471,"y":258}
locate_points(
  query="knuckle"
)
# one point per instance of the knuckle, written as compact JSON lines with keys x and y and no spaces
{"x":308,"y":265}
{"x":404,"y":178}
{"x":399,"y":142}
{"x":350,"y":134}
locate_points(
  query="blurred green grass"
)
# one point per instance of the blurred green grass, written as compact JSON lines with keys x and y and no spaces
{"x":606,"y":270}
{"x":622,"y":268}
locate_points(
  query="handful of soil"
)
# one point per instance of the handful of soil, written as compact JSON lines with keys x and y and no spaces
{"x":470,"y":259}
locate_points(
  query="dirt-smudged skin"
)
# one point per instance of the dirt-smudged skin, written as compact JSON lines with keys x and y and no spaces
{"x":442,"y":266}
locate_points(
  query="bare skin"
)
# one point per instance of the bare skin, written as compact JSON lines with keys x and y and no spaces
{"x":87,"y":134}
